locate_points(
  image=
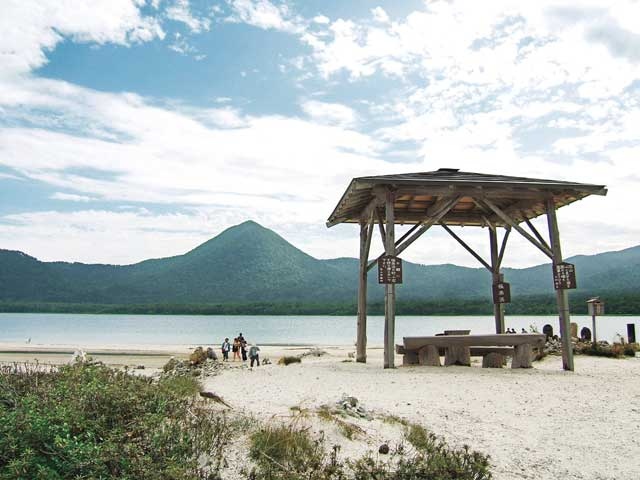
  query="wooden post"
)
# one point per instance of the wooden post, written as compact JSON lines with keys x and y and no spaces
{"x":498,"y":308}
{"x":389,"y":289}
{"x":561,"y":294}
{"x":366,"y":231}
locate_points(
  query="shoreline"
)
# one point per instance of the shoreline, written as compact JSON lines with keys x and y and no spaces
{"x":148,"y":355}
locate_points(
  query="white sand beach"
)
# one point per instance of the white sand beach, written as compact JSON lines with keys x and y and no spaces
{"x":539,"y":423}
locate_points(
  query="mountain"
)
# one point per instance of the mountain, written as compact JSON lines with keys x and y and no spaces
{"x":248,"y":263}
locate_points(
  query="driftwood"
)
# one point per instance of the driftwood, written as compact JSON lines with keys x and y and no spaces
{"x":215,"y":397}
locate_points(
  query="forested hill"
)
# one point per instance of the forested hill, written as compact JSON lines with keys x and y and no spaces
{"x":249,"y":263}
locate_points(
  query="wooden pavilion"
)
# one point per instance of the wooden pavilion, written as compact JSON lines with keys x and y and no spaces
{"x":448,"y":197}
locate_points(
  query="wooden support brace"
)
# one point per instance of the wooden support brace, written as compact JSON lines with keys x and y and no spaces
{"x":507,"y":219}
{"x":536,"y":233}
{"x":383,"y":234}
{"x":503,"y":246}
{"x":467,"y":247}
{"x":439,"y":209}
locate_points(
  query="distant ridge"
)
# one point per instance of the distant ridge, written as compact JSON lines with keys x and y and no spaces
{"x":249,"y":263}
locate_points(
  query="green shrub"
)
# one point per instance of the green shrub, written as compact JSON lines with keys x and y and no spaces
{"x":630,"y":349}
{"x":286,"y":452}
{"x":92,"y":422}
{"x":286,"y":360}
{"x":615,"y":350}
{"x":289,"y":453}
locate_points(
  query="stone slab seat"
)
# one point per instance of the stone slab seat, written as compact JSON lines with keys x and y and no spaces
{"x":424,"y":350}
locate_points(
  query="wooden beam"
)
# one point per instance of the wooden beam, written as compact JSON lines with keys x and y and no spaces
{"x":439,"y":209}
{"x":368,"y":210}
{"x":508,"y":220}
{"x":373,"y":262}
{"x":436,"y":212}
{"x":439,"y":191}
{"x":536,"y":232}
{"x":561,"y":295}
{"x":498,"y":308}
{"x":366,"y":232}
{"x":390,"y":289}
{"x":503,"y":247}
{"x":383,"y":235}
{"x":467,"y":247}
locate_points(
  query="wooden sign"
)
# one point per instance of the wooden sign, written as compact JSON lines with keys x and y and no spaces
{"x":596,"y":308}
{"x":389,"y":270}
{"x":501,"y":292}
{"x":564,"y":276}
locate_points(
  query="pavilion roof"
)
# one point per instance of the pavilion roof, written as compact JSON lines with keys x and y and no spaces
{"x":418,"y":193}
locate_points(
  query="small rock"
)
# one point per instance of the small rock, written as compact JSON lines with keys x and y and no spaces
{"x":384,"y":449}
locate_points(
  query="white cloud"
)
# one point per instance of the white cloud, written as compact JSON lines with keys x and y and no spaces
{"x":321,"y":19}
{"x":71,"y":197}
{"x":330,"y":113}
{"x":266,"y":15}
{"x":380,"y":15}
{"x":30,"y":28}
{"x":194,"y":156}
{"x":78,"y":233}
{"x":180,"y":11}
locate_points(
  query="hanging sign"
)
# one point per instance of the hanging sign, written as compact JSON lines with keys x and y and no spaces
{"x":389,"y":270}
{"x":501,"y":292}
{"x":596,"y":308}
{"x":564,"y":276}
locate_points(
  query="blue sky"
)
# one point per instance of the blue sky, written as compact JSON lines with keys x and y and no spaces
{"x":132,"y":129}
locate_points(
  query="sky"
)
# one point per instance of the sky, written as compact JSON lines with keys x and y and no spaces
{"x":135,"y":129}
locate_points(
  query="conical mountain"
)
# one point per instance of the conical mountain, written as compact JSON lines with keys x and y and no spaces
{"x":245,"y":263}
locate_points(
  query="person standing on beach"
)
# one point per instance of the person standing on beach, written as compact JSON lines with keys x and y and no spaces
{"x":226,"y":346}
{"x":253,"y":354}
{"x":243,"y":347}
{"x":236,"y":349}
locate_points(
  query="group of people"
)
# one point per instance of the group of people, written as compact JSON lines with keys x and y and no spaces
{"x":239,"y":350}
{"x":513,"y":330}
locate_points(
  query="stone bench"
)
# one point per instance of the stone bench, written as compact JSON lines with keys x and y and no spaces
{"x":459,"y":349}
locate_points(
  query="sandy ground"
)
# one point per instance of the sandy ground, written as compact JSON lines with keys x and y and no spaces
{"x":541,"y":423}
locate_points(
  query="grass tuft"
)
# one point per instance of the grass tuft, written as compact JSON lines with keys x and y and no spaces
{"x":349,"y":430}
{"x":287,"y":360}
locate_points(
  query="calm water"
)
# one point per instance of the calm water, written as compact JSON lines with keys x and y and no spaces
{"x":321,"y":330}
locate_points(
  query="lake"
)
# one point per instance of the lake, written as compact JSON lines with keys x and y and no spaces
{"x":280,"y":330}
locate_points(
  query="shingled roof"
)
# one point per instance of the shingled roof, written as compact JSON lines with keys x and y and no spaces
{"x":416,"y":193}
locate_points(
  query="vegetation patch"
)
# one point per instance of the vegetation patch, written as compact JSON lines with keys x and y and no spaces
{"x":394,"y":420}
{"x":289,"y":359}
{"x":349,"y":430}
{"x":291,"y":453}
{"x":604,"y":349}
{"x":287,"y":452}
{"x":92,"y":422}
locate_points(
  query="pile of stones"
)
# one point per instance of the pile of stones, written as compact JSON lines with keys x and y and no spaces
{"x":201,"y":363}
{"x":553,"y":346}
{"x":313,"y":352}
{"x":350,"y":406}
